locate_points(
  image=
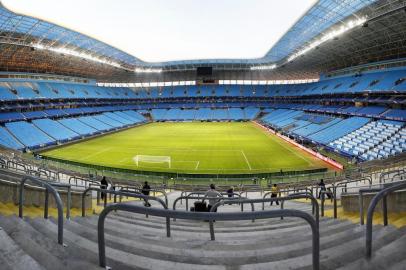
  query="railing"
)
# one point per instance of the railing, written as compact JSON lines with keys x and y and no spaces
{"x":295,"y":190}
{"x":202,"y":195}
{"x":384,"y":202}
{"x":84,"y":182}
{"x":383,"y":177}
{"x":303,"y":195}
{"x":306,"y":195}
{"x":344,"y":185}
{"x":119,"y":193}
{"x":381,"y":195}
{"x":54,"y":192}
{"x":203,"y":198}
{"x":137,"y":189}
{"x":209,"y":216}
{"x":3,"y":163}
{"x":16,"y":166}
{"x":229,"y":201}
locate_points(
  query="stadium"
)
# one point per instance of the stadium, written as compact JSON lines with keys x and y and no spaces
{"x":292,"y":159}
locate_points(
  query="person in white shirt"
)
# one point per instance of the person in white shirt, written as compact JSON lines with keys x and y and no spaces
{"x":211,"y":194}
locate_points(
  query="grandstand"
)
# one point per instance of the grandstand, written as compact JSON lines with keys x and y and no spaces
{"x":326,"y":102}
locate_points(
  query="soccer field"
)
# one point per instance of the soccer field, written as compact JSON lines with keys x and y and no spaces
{"x":195,"y":147}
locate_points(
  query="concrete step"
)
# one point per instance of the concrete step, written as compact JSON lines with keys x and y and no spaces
{"x":41,"y":247}
{"x":384,"y":255}
{"x":119,"y":259}
{"x":218,"y":252}
{"x":135,"y":232}
{"x":12,"y":257}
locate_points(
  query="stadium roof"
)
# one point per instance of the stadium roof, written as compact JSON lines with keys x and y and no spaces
{"x":327,"y":20}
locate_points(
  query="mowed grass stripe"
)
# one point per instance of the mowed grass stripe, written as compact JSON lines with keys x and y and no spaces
{"x":194,"y":148}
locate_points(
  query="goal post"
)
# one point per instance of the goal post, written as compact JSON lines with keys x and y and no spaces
{"x":152,"y":159}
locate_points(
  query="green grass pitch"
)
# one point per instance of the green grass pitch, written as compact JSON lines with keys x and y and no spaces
{"x":194,"y":147}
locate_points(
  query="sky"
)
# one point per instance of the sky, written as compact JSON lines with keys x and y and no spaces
{"x":168,"y":30}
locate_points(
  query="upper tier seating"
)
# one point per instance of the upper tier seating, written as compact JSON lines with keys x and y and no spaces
{"x":29,"y":134}
{"x":11,"y":116}
{"x":375,"y":81}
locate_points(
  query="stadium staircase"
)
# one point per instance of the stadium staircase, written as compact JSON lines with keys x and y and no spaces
{"x":139,"y":242}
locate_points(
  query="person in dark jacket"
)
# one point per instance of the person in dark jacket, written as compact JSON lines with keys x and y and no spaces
{"x":103,"y":185}
{"x":230,"y":192}
{"x":322,"y":187}
{"x":145,"y":190}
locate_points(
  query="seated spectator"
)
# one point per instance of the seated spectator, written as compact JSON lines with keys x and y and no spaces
{"x":211,"y":194}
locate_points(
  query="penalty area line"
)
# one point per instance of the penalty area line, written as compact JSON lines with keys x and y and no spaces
{"x":246,"y":160}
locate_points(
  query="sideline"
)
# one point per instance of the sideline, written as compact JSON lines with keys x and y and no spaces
{"x":316,"y":154}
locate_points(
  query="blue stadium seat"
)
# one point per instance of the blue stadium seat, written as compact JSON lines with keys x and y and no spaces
{"x":78,"y":126}
{"x":7,"y":140}
{"x":29,"y":135}
{"x":55,"y":130}
{"x":6,"y":94}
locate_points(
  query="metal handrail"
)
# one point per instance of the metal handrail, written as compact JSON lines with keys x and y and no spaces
{"x":76,"y":179}
{"x":307,"y":195}
{"x":295,"y":190}
{"x":370,"y":213}
{"x":323,"y":194}
{"x":129,"y":188}
{"x":384,"y":203}
{"x":194,"y":198}
{"x":344,"y":183}
{"x":302,"y":195}
{"x":3,"y":163}
{"x":208,"y":216}
{"x":50,"y":189}
{"x":230,"y":201}
{"x":120,"y":193}
{"x":16,"y":165}
{"x":383,"y":174}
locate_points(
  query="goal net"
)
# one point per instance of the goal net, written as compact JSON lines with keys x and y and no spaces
{"x":152,"y":159}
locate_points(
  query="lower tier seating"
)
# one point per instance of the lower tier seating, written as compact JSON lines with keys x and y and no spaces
{"x":44,"y":132}
{"x":375,"y":140}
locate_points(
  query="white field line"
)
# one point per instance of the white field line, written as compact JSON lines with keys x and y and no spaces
{"x":96,"y":153}
{"x":197,"y":165}
{"x":123,"y":160}
{"x":294,"y":152}
{"x":246,"y":160}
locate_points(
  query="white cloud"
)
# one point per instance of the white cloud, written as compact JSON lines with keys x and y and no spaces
{"x":164,"y":30}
